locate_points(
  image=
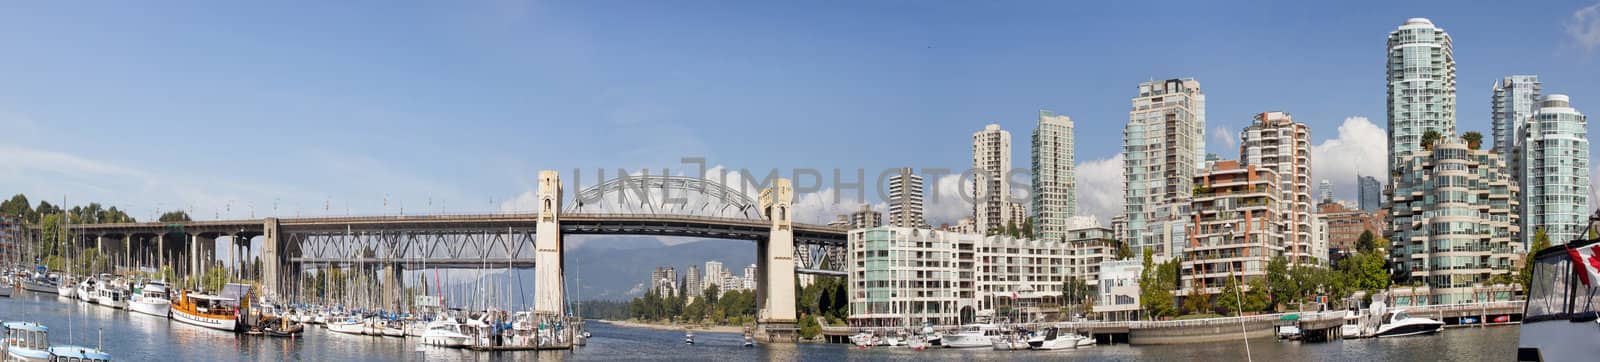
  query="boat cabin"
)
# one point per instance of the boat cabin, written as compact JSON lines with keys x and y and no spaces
{"x":1559,"y":319}
{"x":26,"y":336}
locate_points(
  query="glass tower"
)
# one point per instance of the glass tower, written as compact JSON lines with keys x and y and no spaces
{"x":1422,"y":87}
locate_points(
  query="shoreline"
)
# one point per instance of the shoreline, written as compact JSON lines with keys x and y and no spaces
{"x":675,"y":327}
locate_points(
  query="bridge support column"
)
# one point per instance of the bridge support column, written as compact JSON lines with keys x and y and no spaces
{"x":550,"y":286}
{"x":775,"y":262}
{"x":271,"y":262}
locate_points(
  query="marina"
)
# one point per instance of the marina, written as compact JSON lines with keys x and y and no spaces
{"x":138,"y":337}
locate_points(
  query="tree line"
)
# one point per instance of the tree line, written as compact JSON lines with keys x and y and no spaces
{"x":1283,"y":286}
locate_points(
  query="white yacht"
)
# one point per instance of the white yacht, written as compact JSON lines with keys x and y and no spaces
{"x":1398,"y":323}
{"x":26,"y":341}
{"x":1559,"y":320}
{"x":349,"y":325}
{"x":973,"y":336}
{"x":152,"y":299}
{"x":67,"y":288}
{"x":1054,"y":338}
{"x":444,"y":332}
{"x":86,"y":290}
{"x":111,"y":293}
{"x":1352,"y":324}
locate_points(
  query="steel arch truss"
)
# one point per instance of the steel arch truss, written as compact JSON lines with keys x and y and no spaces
{"x":820,"y":259}
{"x":456,"y":247}
{"x":664,"y":194}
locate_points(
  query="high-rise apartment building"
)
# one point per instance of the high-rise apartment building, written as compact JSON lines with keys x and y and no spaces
{"x":1276,"y":142}
{"x":905,"y":199}
{"x":991,"y":161}
{"x":1054,"y":193}
{"x":691,"y":282}
{"x":1515,"y":99}
{"x":1554,"y":173}
{"x":713,"y":275}
{"x":1162,"y":147}
{"x":866,"y":217}
{"x":1239,"y":226}
{"x":1369,"y":193}
{"x":1454,"y":224}
{"x":1327,"y":193}
{"x":1422,"y":87}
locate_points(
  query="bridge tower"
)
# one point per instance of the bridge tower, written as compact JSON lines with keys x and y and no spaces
{"x":775,"y":261}
{"x":550,"y":282}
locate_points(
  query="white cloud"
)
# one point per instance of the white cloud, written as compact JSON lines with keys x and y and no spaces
{"x":1224,"y":137}
{"x":822,"y":207}
{"x":1360,"y":149}
{"x":1100,"y":187}
{"x":1584,"y":27}
{"x":946,"y":200}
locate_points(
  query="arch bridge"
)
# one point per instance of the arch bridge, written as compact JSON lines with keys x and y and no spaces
{"x":672,"y":206}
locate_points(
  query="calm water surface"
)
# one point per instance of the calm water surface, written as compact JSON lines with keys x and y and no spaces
{"x":138,"y":337}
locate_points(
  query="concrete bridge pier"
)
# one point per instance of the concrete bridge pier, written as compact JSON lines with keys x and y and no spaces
{"x":549,"y":297}
{"x":775,"y":262}
{"x":272,"y":260}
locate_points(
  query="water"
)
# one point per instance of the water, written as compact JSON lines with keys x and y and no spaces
{"x":138,"y":337}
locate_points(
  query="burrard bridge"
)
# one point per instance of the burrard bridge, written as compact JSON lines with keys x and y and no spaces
{"x":633,"y":205}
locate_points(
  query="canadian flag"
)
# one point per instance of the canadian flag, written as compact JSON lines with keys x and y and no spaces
{"x":1587,"y":259}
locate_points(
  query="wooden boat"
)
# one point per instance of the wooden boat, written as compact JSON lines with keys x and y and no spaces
{"x":208,"y":311}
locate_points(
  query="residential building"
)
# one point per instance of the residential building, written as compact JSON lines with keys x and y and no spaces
{"x":905,"y":199}
{"x":991,"y":163}
{"x":1327,"y":192}
{"x":1345,"y":226}
{"x":901,"y":276}
{"x":866,"y":218}
{"x":1554,"y":174}
{"x":1119,"y":228}
{"x":750,"y":277}
{"x":1454,"y":223}
{"x":691,"y":282}
{"x":965,"y":226}
{"x":1276,"y":142}
{"x":904,"y":274}
{"x":1021,"y":275}
{"x":1086,"y":248}
{"x":1238,"y":226}
{"x":664,"y":281}
{"x":1167,"y":232}
{"x":1515,"y":99}
{"x":713,"y":276}
{"x":1319,"y":238}
{"x":1162,"y":146}
{"x":841,"y":221}
{"x":1370,"y":194}
{"x":1016,"y":214}
{"x":1422,"y":87}
{"x":1119,"y":290}
{"x":1054,"y":193}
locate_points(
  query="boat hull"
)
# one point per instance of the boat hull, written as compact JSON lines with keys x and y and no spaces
{"x":347,"y":328}
{"x":33,"y":287}
{"x":960,"y":341}
{"x":445,"y":340}
{"x":1410,"y":330}
{"x":152,"y":306}
{"x":220,"y":324}
{"x":30,"y":355}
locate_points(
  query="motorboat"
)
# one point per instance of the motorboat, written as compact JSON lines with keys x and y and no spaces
{"x":110,"y":293}
{"x":6,"y":285}
{"x":1397,"y":323}
{"x":1559,"y":317}
{"x":864,"y":339}
{"x":1053,"y":338}
{"x":78,"y":353}
{"x":210,"y":311}
{"x":688,"y":337}
{"x":86,"y":290}
{"x":1288,"y":327}
{"x":416,"y":328}
{"x":1010,"y":342}
{"x":749,"y":341}
{"x":152,"y":299}
{"x":1352,"y":324}
{"x":444,"y":332}
{"x":27,"y":341}
{"x":972,"y":336}
{"x":349,"y":325}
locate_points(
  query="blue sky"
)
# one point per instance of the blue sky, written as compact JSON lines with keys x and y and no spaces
{"x":216,"y":109}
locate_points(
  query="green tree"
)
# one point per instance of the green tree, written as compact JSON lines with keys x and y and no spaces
{"x":17,"y":206}
{"x":1540,"y":241}
{"x":1366,"y":242}
{"x":1257,"y":299}
{"x":1155,"y":293}
{"x":1474,"y":139}
{"x":1279,"y":282}
{"x":1228,"y":302}
{"x":1428,"y":139}
{"x":175,"y":216}
{"x":1196,"y":302}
